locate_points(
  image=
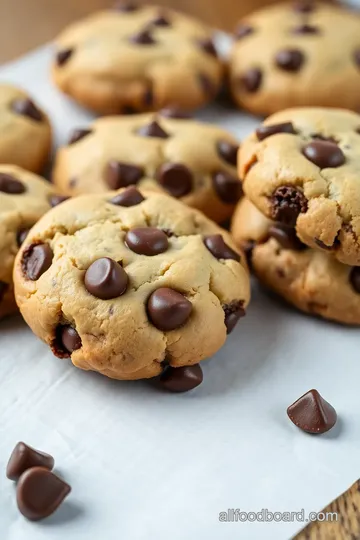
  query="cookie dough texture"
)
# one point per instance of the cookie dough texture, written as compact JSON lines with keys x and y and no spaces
{"x":311,"y":280}
{"x":137,"y":59}
{"x":118,"y":337}
{"x":309,"y":177}
{"x":190,"y":160}
{"x":23,"y":200}
{"x":287,"y":56}
{"x":25,"y":132}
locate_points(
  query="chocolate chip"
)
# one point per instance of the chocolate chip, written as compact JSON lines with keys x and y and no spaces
{"x":321,"y":244}
{"x":243,"y":30}
{"x":147,"y":241}
{"x":153,"y":130}
{"x":206,"y":84}
{"x":357,"y":57}
{"x":106,"y":279}
{"x":233,"y":313}
{"x":324,"y":154}
{"x":144,"y":37}
{"x":312,"y":413}
{"x":251,"y":80}
{"x":126,"y":7}
{"x":287,"y":203}
{"x":39,"y":493}
{"x":119,"y":174}
{"x":354,"y":278}
{"x":228,"y":151}
{"x":79,"y":134}
{"x":174,"y":112}
{"x":286,"y":237}
{"x":36,"y":260}
{"x":9,"y":184}
{"x":21,"y":236}
{"x":129,"y":197}
{"x":248,"y":248}
{"x":161,"y":20}
{"x":168,"y":309}
{"x":208,"y":46}
{"x":227,"y":187}
{"x":24,"y":457}
{"x":63,"y":56}
{"x":216,"y":245}
{"x":175,"y":178}
{"x":304,"y":7}
{"x":55,"y":200}
{"x":181,"y":379}
{"x":306,"y":29}
{"x":263,"y":132}
{"x":3,"y":288}
{"x":26,"y":107}
{"x":290,"y":59}
{"x":69,"y":338}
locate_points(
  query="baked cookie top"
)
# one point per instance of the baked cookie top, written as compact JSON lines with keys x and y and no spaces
{"x":297,"y":54}
{"x":302,"y":168}
{"x":312,"y":280}
{"x":190,"y":160}
{"x":25,"y":132}
{"x":128,"y":280}
{"x":138,"y":58}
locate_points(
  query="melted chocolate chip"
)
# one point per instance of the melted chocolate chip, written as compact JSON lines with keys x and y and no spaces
{"x":63,"y":56}
{"x":227,"y":187}
{"x":306,"y":29}
{"x":181,"y":379}
{"x":79,"y":134}
{"x":287,"y":203}
{"x":106,"y":279}
{"x":129,"y":197}
{"x":174,"y":112}
{"x":153,"y":130}
{"x":21,"y":236}
{"x":248,"y":248}
{"x":37,"y":259}
{"x":68,"y":338}
{"x":119,"y":174}
{"x":208,"y":46}
{"x":9,"y":184}
{"x":25,"y":457}
{"x":144,"y":37}
{"x":354,"y":278}
{"x":26,"y":107}
{"x":233,"y":313}
{"x":175,"y":178}
{"x":286,"y":237}
{"x":162,"y":20}
{"x":324,"y":154}
{"x":321,"y":244}
{"x":55,"y":200}
{"x":312,"y":413}
{"x":216,"y":245}
{"x":168,"y":309}
{"x":243,"y":30}
{"x":251,"y":80}
{"x":206,"y":84}
{"x":263,"y":132}
{"x":228,"y":151}
{"x":147,"y":241}
{"x":3,"y":288}
{"x":290,"y":59}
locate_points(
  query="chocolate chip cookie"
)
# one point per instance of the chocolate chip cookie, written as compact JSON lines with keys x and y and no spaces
{"x":130,"y":283}
{"x":190,"y":160}
{"x":310,"y":279}
{"x":137,"y":58}
{"x":24,"y":198}
{"x":25,"y":132}
{"x":302,"y":168}
{"x":296,"y":54}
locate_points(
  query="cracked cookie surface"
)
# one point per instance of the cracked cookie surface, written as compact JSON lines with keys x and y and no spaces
{"x":190,"y":160}
{"x":296,"y":54}
{"x":311,"y":280}
{"x":137,"y":59}
{"x":129,"y":282}
{"x":302,"y":167}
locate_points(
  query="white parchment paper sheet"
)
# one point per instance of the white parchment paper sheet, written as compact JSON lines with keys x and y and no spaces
{"x":146,"y":465}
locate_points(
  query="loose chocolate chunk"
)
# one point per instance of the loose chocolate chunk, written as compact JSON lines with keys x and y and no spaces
{"x":357,"y":57}
{"x":63,"y":56}
{"x":144,"y":37}
{"x":119,"y":174}
{"x":175,"y":178}
{"x":9,"y":184}
{"x":233,"y":313}
{"x":287,"y":203}
{"x":206,"y":84}
{"x":129,"y":197}
{"x":181,"y":379}
{"x":216,"y":245}
{"x":147,"y":241}
{"x":26,"y":107}
{"x":55,"y":200}
{"x":312,"y":413}
{"x":69,"y":338}
{"x":3,"y":288}
{"x":304,"y":7}
{"x":306,"y":29}
{"x":251,"y":80}
{"x":79,"y":134}
{"x":168,"y":309}
{"x":24,"y":457}
{"x":263,"y":132}
{"x":174,"y":112}
{"x":354,"y":278}
{"x":161,"y":20}
{"x":228,"y":151}
{"x":36,"y":260}
{"x":290,"y":59}
{"x":324,"y":154}
{"x":39,"y":493}
{"x":153,"y":130}
{"x":21,"y":236}
{"x":106,"y":279}
{"x":243,"y":30}
{"x":126,"y":7}
{"x":227,"y":187}
{"x":208,"y":46}
{"x":286,"y":236}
